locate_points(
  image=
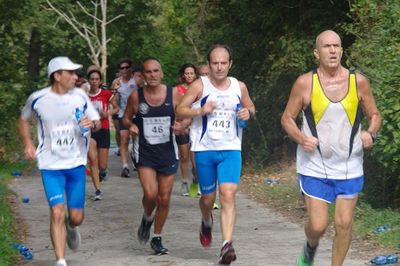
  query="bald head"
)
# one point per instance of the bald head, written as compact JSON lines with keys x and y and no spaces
{"x":324,"y":35}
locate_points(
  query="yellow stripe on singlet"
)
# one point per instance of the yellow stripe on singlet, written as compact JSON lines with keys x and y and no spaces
{"x":319,"y":101}
{"x":350,"y":102}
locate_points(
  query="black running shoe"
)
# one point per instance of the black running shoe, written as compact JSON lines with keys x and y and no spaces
{"x":227,"y":254}
{"x":103,"y":175}
{"x":144,"y":231}
{"x":307,"y":255}
{"x":157,"y":246}
{"x":125,"y":172}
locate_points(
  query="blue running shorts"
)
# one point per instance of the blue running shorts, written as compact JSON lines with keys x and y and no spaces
{"x":72,"y":181}
{"x":221,"y":166}
{"x":329,"y":189}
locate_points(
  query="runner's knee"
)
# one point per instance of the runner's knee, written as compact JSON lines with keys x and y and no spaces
{"x":57,"y":213}
{"x":207,"y":200}
{"x":76,"y":218}
{"x":343,"y":224}
{"x":163,"y":201}
{"x":317,"y":227}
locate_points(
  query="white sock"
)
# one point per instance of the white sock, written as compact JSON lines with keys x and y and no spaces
{"x":62,"y":262}
{"x":125,"y":165}
{"x":148,"y":218}
{"x":208,"y":223}
{"x":226,"y":241}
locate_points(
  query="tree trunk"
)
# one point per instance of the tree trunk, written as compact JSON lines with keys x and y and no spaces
{"x":33,"y":58}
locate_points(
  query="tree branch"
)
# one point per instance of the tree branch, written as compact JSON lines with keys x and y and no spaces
{"x":115,"y":18}
{"x":86,"y":12}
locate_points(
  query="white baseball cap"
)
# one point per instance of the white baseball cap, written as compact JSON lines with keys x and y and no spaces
{"x":61,"y":63}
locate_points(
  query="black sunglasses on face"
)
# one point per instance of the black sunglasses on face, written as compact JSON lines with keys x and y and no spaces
{"x":124,"y":67}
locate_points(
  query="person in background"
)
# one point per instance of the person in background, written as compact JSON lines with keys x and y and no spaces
{"x":114,"y":117}
{"x":81,"y":82}
{"x":125,"y":84}
{"x":203,"y":70}
{"x":187,"y":74}
{"x":137,"y":73}
{"x":100,"y":140}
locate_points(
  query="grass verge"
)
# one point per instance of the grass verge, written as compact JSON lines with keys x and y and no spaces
{"x":8,"y":222}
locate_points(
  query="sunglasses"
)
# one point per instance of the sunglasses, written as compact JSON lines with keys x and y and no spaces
{"x":124,"y":67}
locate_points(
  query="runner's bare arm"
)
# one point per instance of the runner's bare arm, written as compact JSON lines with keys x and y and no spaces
{"x":130,"y":111}
{"x":116,"y":84}
{"x":114,"y":105}
{"x":248,"y":109}
{"x":297,"y":102}
{"x":180,"y":125}
{"x":194,"y":92}
{"x":369,"y":107}
{"x":29,"y":148}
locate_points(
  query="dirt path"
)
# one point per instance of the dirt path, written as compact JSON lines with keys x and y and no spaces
{"x":262,"y":237}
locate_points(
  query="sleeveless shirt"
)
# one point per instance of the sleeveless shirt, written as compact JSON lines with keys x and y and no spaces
{"x":156,"y":141}
{"x":337,"y":127}
{"x":218,"y":130}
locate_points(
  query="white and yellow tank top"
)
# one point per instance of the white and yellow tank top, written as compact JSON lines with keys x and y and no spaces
{"x":337,"y":127}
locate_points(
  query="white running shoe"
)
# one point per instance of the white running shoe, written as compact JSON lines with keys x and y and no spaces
{"x":98,"y":195}
{"x":185,"y":189}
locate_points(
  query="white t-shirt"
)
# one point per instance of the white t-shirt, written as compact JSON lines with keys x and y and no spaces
{"x":124,"y":91}
{"x":61,"y":144}
{"x":218,"y":130}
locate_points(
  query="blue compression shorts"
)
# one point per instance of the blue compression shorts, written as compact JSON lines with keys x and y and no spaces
{"x":72,"y":181}
{"x":329,"y":189}
{"x":221,"y":166}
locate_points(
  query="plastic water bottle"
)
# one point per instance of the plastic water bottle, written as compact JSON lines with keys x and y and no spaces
{"x":25,"y":199}
{"x":23,"y":250}
{"x":382,"y":228}
{"x":241,"y":123}
{"x":78,"y":115}
{"x":392,"y":258}
{"x":384,"y":260}
{"x":16,"y":173}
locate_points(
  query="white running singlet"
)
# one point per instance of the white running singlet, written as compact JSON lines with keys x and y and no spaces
{"x":217,"y":130}
{"x":61,"y":144}
{"x":124,"y":91}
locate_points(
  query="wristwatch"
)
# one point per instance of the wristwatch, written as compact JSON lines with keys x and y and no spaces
{"x":373,"y":136}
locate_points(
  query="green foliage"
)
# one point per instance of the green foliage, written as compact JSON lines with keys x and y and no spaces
{"x":285,"y":195}
{"x":8,"y":234}
{"x":376,"y":53}
{"x":8,"y":256}
{"x":268,"y":58}
{"x":368,"y":219}
{"x":12,"y":73}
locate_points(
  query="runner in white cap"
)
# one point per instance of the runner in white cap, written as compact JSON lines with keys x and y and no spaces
{"x":63,"y":138}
